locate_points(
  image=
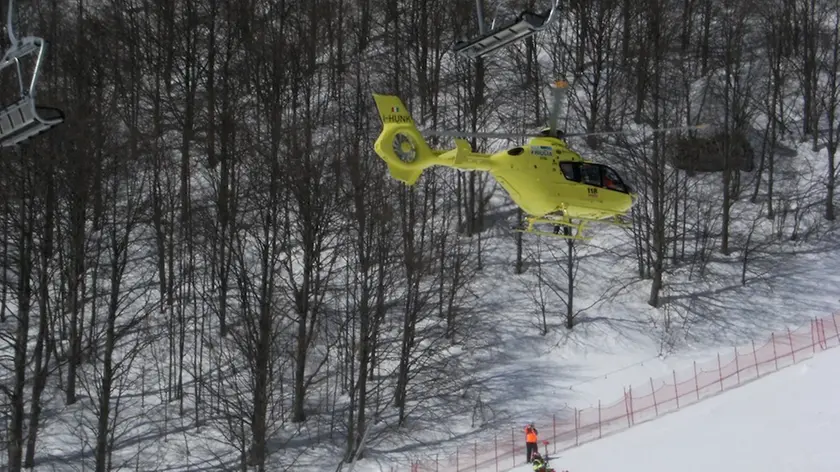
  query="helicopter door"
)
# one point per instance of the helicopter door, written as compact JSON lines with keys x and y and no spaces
{"x":591,"y":174}
{"x":612,"y":181}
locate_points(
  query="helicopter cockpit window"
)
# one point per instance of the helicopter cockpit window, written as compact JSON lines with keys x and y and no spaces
{"x":568,"y":169}
{"x":591,"y":174}
{"x":612,"y":181}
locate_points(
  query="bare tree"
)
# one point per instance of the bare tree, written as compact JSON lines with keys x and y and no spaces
{"x":256,"y":336}
{"x":652,"y":218}
{"x":776,"y":46}
{"x":808,"y":16}
{"x":830,"y":104}
{"x":539,"y":292}
{"x":754,"y":243}
{"x":124,"y":315}
{"x":81,"y":191}
{"x":370,"y":250}
{"x":44,"y":344}
{"x":23,"y":262}
{"x":556,"y":281}
{"x":736,"y":98}
{"x":415,"y":233}
{"x":268,"y":227}
{"x":597,"y":64}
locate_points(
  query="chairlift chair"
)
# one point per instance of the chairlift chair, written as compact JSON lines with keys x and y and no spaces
{"x":24,"y":119}
{"x":526,"y":24}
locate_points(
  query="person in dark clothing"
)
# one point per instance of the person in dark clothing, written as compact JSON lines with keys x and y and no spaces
{"x":530,"y":441}
{"x":538,"y":463}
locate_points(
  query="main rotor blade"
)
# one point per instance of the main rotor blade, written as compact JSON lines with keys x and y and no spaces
{"x":464,"y":134}
{"x":631,"y":131}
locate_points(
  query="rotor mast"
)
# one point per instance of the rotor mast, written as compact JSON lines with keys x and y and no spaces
{"x":560,"y":87}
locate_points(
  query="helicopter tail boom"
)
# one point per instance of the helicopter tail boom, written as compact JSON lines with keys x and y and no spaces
{"x":400,"y":143}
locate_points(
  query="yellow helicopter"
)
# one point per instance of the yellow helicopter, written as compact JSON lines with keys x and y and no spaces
{"x":552,"y":184}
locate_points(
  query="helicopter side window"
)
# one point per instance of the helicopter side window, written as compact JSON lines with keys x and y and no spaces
{"x":612,"y":181}
{"x":591,"y":174}
{"x":569,"y":171}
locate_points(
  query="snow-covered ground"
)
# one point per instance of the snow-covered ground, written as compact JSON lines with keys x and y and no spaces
{"x":787,"y":421}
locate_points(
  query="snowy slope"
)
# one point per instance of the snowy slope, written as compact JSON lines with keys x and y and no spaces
{"x":788,"y":421}
{"x":540,"y":379}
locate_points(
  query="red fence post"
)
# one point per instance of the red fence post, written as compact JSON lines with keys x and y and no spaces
{"x":755,"y":359}
{"x":813,"y":338}
{"x":775,"y":355}
{"x":599,"y":419}
{"x":554,"y":427}
{"x":626,"y":407}
{"x":822,"y":333}
{"x":720,"y":373}
{"x":676,"y":391}
{"x":792,"y":350}
{"x":696,"y":382}
{"x":836,"y":331}
{"x":653,"y":393}
{"x":819,"y":335}
{"x":577,"y":421}
{"x":737,"y":366}
{"x":475,"y":455}
{"x":632,"y":411}
{"x":513,"y":446}
{"x":496,"y":450}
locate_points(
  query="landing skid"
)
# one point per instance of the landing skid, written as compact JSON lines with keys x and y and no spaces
{"x":561,"y":228}
{"x":565,"y":228}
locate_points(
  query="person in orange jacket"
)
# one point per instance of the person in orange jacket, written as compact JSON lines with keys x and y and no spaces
{"x":530,"y":441}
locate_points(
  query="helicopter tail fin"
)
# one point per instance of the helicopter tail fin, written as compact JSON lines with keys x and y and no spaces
{"x":400,"y":144}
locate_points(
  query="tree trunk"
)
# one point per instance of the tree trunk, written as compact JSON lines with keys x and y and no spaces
{"x":42,"y":352}
{"x":24,"y":293}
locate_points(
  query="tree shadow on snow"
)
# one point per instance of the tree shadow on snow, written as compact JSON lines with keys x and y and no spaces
{"x":779,"y":292}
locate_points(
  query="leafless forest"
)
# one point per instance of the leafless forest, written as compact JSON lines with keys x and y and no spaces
{"x":209,"y":246}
